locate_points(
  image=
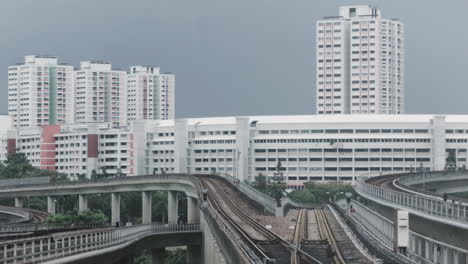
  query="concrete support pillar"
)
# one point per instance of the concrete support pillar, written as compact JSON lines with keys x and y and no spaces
{"x":427,"y":250}
{"x":421,"y":247}
{"x":172,"y":207}
{"x":19,"y":202}
{"x":445,"y":256}
{"x":146,"y":208}
{"x":193,"y":214}
{"x":50,"y":205}
{"x":157,"y":255}
{"x":194,"y":255}
{"x":82,"y":202}
{"x":115,"y":208}
{"x":456,"y":258}
{"x":435,"y":254}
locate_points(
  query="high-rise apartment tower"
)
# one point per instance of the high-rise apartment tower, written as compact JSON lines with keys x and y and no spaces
{"x":101,"y":94}
{"x":40,"y":92}
{"x":150,"y":94}
{"x":360,"y":63}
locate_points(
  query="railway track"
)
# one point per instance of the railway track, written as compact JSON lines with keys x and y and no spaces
{"x":38,"y":217}
{"x":326,"y":233}
{"x":300,"y":234}
{"x":271,"y":248}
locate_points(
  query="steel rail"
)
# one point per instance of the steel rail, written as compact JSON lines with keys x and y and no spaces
{"x":300,"y":233}
{"x":270,"y":235}
{"x":259,"y":253}
{"x":327,"y":234}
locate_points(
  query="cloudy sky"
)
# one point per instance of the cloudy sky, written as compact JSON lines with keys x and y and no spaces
{"x":236,"y":57}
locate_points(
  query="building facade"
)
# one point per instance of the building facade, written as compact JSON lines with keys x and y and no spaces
{"x":40,"y":91}
{"x":151,"y":95}
{"x":77,"y":149}
{"x":100,"y":94}
{"x":310,"y":148}
{"x":360,"y":63}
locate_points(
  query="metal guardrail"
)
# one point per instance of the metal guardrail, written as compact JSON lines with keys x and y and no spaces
{"x":406,"y":181}
{"x":104,"y":180}
{"x":419,"y":177}
{"x":379,"y":226}
{"x":376,"y":248}
{"x":425,"y":206}
{"x":76,"y":187}
{"x":47,"y":248}
{"x":20,"y":228}
{"x":29,"y":180}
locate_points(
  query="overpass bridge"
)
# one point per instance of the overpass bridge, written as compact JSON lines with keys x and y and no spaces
{"x":438,"y":226}
{"x":220,"y":241}
{"x":29,"y":248}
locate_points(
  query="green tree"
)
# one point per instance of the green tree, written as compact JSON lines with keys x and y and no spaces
{"x":17,"y":166}
{"x":94,"y":175}
{"x":451,"y":160}
{"x":277,"y":186}
{"x":314,"y":192}
{"x":303,"y":195}
{"x":159,"y":206}
{"x":260,"y":183}
{"x":178,"y":256}
{"x":95,"y":217}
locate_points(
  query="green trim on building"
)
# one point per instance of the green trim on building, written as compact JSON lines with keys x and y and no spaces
{"x":52,"y":96}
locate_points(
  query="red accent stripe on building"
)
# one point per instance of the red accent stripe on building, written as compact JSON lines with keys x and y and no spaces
{"x":48,"y":146}
{"x":11,"y":146}
{"x":92,"y":146}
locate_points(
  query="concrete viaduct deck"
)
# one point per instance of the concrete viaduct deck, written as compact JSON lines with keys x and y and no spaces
{"x":438,"y":227}
{"x":172,"y":183}
{"x":215,"y":248}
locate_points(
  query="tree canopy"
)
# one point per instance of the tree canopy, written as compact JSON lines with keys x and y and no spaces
{"x":18,"y":166}
{"x":88,"y":217}
{"x":314,"y":192}
{"x":274,"y":186}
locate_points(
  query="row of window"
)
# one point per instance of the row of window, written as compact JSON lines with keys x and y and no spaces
{"x":348,"y":150}
{"x":219,"y":141}
{"x":349,"y":140}
{"x":366,"y":159}
{"x":199,"y":151}
{"x":339,"y":169}
{"x":345,"y":131}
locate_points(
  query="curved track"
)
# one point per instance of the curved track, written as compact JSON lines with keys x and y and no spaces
{"x":38,"y":217}
{"x":272,"y":248}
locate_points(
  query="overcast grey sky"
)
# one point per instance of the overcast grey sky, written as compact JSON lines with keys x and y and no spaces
{"x":236,"y":57}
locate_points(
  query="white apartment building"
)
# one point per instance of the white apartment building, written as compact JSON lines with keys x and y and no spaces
{"x":5,"y":125}
{"x":360,"y":63}
{"x":310,"y":148}
{"x":76,"y":149}
{"x":151,"y":95}
{"x":40,"y":91}
{"x":100,"y":94}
